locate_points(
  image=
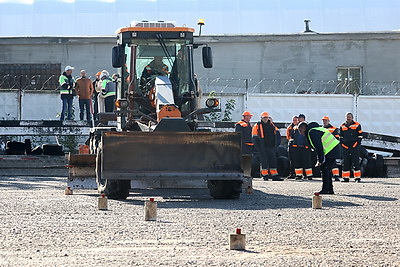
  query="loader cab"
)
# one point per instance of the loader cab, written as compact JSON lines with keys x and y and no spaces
{"x":155,"y":65}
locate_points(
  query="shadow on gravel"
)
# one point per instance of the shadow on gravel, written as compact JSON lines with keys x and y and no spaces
{"x":23,"y":183}
{"x":200,"y":198}
{"x":376,"y":198}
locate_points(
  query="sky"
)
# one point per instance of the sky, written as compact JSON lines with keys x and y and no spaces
{"x":104,"y":17}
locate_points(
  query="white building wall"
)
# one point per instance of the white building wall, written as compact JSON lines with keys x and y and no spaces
{"x":377,"y":114}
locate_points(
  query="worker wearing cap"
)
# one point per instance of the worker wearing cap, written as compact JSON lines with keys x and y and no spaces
{"x":67,"y":92}
{"x":266,"y":138}
{"x":301,"y":153}
{"x":244,"y":127}
{"x":289,"y":133}
{"x":301,"y":117}
{"x":108,"y":89}
{"x":350,"y":138}
{"x":327,"y":149}
{"x":326,"y":123}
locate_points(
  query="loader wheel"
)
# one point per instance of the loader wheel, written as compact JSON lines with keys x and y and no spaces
{"x":113,"y":189}
{"x":225,"y":189}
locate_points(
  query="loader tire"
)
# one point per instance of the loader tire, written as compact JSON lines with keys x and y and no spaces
{"x":225,"y":189}
{"x":113,"y":189}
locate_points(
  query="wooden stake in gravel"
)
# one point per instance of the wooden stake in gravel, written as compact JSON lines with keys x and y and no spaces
{"x":68,"y":191}
{"x":317,"y":201}
{"x":237,"y":241}
{"x":150,"y":210}
{"x":102,"y":202}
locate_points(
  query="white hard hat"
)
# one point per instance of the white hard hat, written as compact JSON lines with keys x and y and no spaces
{"x":69,"y":68}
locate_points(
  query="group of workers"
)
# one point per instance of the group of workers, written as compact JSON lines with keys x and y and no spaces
{"x":329,"y":144}
{"x":101,"y":91}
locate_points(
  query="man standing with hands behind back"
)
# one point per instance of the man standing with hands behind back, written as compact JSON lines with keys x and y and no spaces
{"x":84,"y":90}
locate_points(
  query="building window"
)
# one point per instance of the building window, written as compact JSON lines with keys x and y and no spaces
{"x":349,"y":80}
{"x":29,"y":76}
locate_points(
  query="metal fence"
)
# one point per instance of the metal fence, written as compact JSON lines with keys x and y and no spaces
{"x":304,"y":86}
{"x":268,"y":86}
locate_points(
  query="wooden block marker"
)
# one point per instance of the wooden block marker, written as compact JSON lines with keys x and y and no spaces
{"x":317,"y":201}
{"x":103,"y":202}
{"x":237,"y":241}
{"x":68,"y":191}
{"x":150,"y":210}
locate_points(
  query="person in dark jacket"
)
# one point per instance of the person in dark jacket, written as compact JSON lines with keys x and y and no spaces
{"x":289,"y":132}
{"x":327,"y":148}
{"x":266,"y":138}
{"x":350,"y":138}
{"x":244,"y":127}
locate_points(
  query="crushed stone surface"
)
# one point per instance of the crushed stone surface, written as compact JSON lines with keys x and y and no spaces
{"x":358,"y":226}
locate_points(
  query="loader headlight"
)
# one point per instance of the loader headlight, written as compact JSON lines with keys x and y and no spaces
{"x":212,"y":102}
{"x":121,"y":103}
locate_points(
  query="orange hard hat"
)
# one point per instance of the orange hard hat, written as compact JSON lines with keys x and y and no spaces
{"x":247,"y":113}
{"x":264,"y":115}
{"x":98,"y":74}
{"x":325,"y":118}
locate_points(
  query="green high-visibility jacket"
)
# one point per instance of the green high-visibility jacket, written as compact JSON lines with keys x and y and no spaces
{"x":108,"y":87}
{"x":328,"y":140}
{"x":65,"y":84}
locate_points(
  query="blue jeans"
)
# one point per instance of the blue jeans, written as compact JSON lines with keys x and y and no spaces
{"x":84,"y":104}
{"x":66,"y":107}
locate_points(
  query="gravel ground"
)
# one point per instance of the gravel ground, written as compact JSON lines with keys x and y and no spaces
{"x":359,"y":226}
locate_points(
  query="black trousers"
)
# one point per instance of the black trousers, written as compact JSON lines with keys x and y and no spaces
{"x":350,"y":158}
{"x":268,"y":158}
{"x":109,"y":103}
{"x":326,"y":169}
{"x":301,"y":157}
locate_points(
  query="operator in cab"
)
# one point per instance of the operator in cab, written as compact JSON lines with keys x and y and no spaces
{"x":155,"y":68}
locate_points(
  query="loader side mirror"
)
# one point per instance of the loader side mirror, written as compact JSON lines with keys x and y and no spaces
{"x":207,"y":57}
{"x":117,"y":56}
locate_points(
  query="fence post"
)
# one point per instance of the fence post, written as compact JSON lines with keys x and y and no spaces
{"x":247,"y":93}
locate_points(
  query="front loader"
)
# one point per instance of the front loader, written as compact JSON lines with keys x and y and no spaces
{"x":157,"y":110}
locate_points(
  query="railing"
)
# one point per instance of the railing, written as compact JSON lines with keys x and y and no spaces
{"x":268,"y":86}
{"x":302,"y":86}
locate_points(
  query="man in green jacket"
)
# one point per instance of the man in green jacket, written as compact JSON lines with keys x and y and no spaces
{"x":67,"y":92}
{"x":327,"y":148}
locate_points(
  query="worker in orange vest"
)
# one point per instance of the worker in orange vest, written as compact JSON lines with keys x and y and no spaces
{"x":244,"y":127}
{"x":350,"y":139}
{"x":326,"y":123}
{"x":266,"y":138}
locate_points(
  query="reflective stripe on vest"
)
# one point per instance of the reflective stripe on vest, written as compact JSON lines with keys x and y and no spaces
{"x":109,"y":94}
{"x":328,"y":140}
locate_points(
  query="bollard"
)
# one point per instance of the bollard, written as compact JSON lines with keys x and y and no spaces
{"x":68,"y":191}
{"x":249,"y":190}
{"x":317,"y":201}
{"x":150,"y":210}
{"x":102,"y":202}
{"x":237,"y":241}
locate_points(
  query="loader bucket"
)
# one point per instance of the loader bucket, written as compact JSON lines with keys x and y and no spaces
{"x":171,"y":155}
